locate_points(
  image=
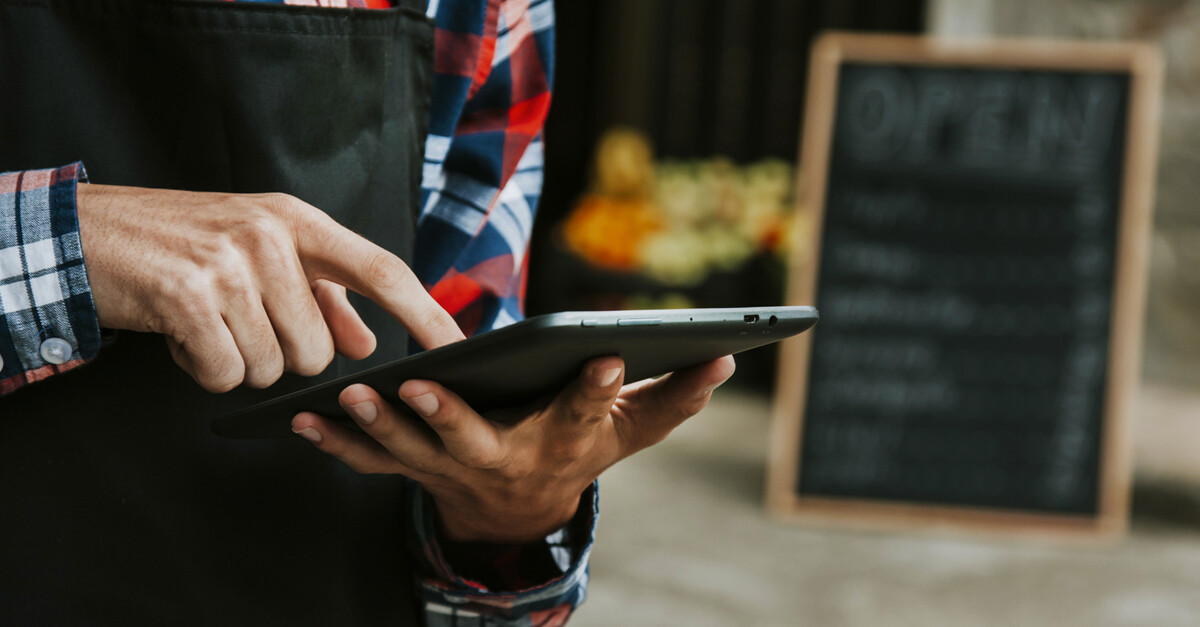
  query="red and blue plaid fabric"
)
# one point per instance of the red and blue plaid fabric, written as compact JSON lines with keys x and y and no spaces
{"x":453,"y":587}
{"x":483,"y":174}
{"x":482,"y":180}
{"x":44,"y":290}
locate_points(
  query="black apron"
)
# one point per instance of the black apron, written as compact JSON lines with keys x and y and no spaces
{"x":117,"y":503}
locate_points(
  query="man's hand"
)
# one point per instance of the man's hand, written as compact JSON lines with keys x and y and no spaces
{"x":243,"y":286}
{"x":513,"y":482}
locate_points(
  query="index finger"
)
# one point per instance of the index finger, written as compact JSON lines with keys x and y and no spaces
{"x":330,"y":251}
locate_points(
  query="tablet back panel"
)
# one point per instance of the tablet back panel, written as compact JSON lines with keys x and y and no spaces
{"x":528,"y":362}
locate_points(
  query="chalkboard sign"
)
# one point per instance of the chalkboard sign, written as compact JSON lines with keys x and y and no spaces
{"x":982,"y":214}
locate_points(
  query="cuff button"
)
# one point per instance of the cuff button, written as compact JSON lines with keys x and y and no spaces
{"x":56,"y":350}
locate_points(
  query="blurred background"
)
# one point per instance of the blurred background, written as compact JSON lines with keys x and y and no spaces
{"x":671,"y":163}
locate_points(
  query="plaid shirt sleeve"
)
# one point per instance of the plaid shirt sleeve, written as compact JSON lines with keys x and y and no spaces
{"x":47,"y":320}
{"x":482,"y":180}
{"x":491,"y":585}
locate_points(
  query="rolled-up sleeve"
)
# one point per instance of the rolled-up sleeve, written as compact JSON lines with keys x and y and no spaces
{"x":536,"y":584}
{"x":48,"y":320}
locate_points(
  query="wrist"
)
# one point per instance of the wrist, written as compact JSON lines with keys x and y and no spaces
{"x":450,"y":570}
{"x":510,"y":523}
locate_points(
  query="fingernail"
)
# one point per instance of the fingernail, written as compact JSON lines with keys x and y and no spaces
{"x":605,"y":378}
{"x":310,"y":434}
{"x":425,"y":404}
{"x":365,"y":411}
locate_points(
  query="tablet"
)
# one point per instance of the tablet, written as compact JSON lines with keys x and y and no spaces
{"x":532,"y":359}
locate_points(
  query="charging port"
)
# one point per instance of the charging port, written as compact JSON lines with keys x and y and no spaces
{"x":751,"y":318}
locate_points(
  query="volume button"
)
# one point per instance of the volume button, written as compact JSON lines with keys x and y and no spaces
{"x":639,"y":322}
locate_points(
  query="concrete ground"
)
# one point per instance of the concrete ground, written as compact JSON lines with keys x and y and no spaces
{"x":684,"y":540}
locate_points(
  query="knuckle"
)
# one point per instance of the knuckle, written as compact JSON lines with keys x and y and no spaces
{"x":217,"y":260}
{"x":232,"y":284}
{"x":481,"y":458}
{"x":187,"y":300}
{"x":217,"y":387}
{"x":434,"y":316}
{"x":313,"y":362}
{"x":283,"y":204}
{"x":223,"y":380}
{"x":587,"y":404}
{"x":228,"y":267}
{"x":384,"y":270}
{"x":446,"y":421}
{"x":262,"y":223}
{"x":186,"y":321}
{"x":263,"y":375}
{"x":213,"y":246}
{"x":262,"y":235}
{"x":589,"y":415}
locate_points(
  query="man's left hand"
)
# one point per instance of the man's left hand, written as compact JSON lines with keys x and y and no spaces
{"x":513,"y":482}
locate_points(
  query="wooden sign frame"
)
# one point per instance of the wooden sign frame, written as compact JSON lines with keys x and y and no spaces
{"x":1143,"y":63}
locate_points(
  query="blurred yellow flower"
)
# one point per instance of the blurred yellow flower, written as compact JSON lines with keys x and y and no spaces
{"x":677,"y":221}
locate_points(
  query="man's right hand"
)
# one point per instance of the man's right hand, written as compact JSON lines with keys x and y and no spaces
{"x":244,"y":287}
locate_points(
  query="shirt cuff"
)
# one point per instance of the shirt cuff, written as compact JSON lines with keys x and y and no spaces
{"x":48,"y":321}
{"x":498,"y":583}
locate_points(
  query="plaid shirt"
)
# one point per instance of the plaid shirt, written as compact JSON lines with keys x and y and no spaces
{"x":481,"y":183}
